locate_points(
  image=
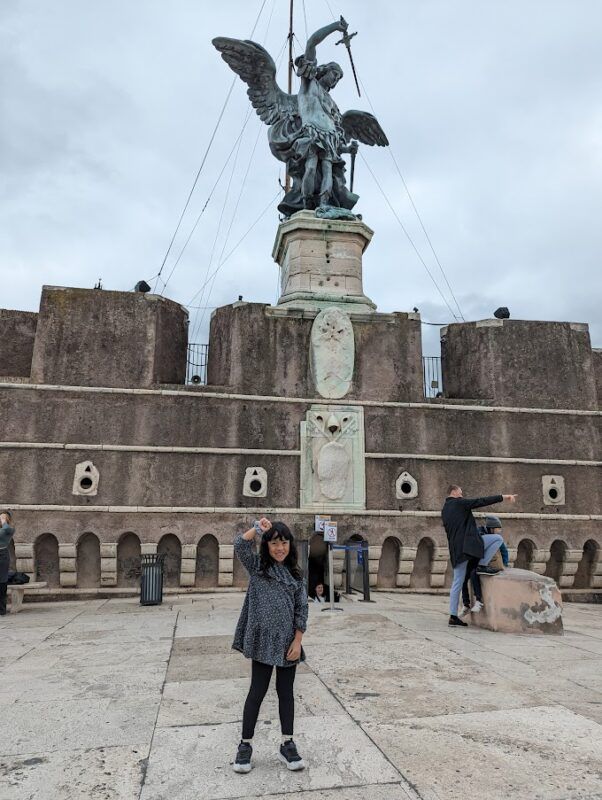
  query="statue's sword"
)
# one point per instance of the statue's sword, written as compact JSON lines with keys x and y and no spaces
{"x":346,"y":40}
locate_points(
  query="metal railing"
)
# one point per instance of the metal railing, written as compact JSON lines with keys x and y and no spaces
{"x":196,"y":364}
{"x":432,"y":376}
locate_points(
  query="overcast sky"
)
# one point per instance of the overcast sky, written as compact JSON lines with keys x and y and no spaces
{"x":493,"y":109}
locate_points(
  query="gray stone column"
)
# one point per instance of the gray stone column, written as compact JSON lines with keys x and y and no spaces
{"x":407,"y":556}
{"x":24,"y":558}
{"x":439,"y":567}
{"x":68,"y":565}
{"x":226,"y":565}
{"x":569,"y":568}
{"x":188,"y":565}
{"x":540,"y":560}
{"x":108,"y":564}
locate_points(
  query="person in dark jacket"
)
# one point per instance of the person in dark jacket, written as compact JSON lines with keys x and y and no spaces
{"x":465,"y":541}
{"x":6,"y":534}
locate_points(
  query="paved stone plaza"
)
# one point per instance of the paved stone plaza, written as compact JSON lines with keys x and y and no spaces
{"x":106,"y":700}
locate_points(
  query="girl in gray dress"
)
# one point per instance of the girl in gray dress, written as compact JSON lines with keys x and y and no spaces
{"x":269,"y":631}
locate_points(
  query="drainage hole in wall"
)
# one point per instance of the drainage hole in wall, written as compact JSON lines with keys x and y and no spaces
{"x":255,"y":486}
{"x":406,"y":487}
{"x":85,"y":483}
{"x":553,"y":493}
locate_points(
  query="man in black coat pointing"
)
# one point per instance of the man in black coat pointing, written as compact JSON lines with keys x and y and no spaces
{"x":464,"y":539}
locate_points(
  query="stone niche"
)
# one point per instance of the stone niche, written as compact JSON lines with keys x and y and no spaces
{"x":93,"y":337}
{"x":520,"y":363}
{"x":332,"y":459}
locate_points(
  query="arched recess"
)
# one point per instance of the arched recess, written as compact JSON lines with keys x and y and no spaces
{"x":207,"y":562}
{"x":524,"y":554}
{"x":388,"y":564}
{"x":170,"y":547}
{"x":88,"y":561}
{"x":421,"y":573}
{"x":318,"y":562}
{"x":11,"y":556}
{"x":555,"y":563}
{"x":587,"y":565}
{"x":46,"y":560}
{"x":128,"y":561}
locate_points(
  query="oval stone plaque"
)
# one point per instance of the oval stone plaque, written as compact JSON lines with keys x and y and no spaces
{"x":332,"y":353}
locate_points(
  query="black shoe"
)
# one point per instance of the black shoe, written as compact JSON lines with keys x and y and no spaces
{"x":242,"y":762}
{"x":288,"y":755}
{"x":487,"y":571}
{"x":454,"y":620}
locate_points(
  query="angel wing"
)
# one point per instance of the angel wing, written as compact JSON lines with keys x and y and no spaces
{"x":363,"y":126}
{"x":256,"y":67}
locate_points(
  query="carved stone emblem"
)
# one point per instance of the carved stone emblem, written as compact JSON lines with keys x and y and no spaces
{"x":86,"y":479}
{"x":332,"y":353}
{"x":332,"y":458}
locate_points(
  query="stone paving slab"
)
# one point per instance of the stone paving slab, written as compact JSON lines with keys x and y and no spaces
{"x":216,"y":701}
{"x":545,"y":753}
{"x":385,"y":695}
{"x":192,"y":762}
{"x":76,"y":724}
{"x":111,"y":773}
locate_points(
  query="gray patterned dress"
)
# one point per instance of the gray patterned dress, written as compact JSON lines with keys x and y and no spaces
{"x":275,"y":607}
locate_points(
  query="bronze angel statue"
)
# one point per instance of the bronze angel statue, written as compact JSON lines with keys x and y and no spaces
{"x":307,"y":130}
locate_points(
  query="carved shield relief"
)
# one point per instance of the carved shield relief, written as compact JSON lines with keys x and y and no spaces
{"x":332,"y":458}
{"x":332,"y":353}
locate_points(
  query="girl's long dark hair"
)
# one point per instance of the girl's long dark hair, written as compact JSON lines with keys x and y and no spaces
{"x":279,"y":531}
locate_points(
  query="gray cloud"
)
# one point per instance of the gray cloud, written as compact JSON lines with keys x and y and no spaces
{"x":494,"y":112}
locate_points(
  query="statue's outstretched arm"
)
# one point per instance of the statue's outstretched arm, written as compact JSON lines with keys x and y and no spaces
{"x":321,"y":34}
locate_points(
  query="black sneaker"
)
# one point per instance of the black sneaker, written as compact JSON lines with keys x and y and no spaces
{"x":242,"y":762}
{"x":487,"y":571}
{"x":288,"y":755}
{"x":454,"y":620}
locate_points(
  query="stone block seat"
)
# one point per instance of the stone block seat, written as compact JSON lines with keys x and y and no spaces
{"x":17,"y":593}
{"x":520,"y":601}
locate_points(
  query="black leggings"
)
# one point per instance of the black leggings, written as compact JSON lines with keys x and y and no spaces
{"x":260,"y":681}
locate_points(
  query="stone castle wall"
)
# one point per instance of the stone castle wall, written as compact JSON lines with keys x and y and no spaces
{"x":105,"y":455}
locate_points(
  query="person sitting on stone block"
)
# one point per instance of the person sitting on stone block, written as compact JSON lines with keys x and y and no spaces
{"x":499,"y":560}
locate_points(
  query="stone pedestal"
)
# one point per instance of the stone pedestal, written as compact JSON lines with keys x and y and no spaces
{"x":520,"y":601}
{"x":321,"y":262}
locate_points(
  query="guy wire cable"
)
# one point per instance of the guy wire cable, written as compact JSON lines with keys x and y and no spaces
{"x":204,"y":159}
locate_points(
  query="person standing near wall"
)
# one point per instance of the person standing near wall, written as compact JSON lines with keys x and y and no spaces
{"x":6,"y":534}
{"x":269,"y":632}
{"x":465,"y":541}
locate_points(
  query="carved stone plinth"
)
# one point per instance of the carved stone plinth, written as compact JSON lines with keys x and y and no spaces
{"x":321,"y":262}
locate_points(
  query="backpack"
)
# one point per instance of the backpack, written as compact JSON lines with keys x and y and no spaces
{"x":17,"y":578}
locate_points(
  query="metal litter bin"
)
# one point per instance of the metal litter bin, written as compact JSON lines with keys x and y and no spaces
{"x":151,"y":582}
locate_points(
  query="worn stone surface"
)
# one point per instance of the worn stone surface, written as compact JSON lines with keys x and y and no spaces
{"x":17,"y":334}
{"x":321,"y":262}
{"x":88,"y":337}
{"x":597,"y":363}
{"x":105,"y":699}
{"x":519,"y":363}
{"x":388,"y":353}
{"x":519,"y":601}
{"x":332,"y":353}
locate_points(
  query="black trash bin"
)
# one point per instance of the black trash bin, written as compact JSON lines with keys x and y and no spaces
{"x":151,"y":582}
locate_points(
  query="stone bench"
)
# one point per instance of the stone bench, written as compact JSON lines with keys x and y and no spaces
{"x":17,"y":593}
{"x":519,"y":601}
